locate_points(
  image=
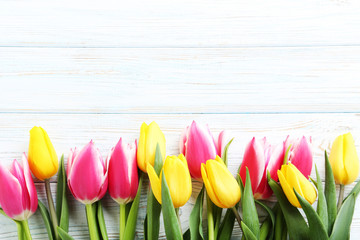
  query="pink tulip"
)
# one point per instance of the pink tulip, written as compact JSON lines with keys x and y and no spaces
{"x":123,"y":174}
{"x":300,"y":154}
{"x":260,"y":157}
{"x":87,"y":174}
{"x":18,"y":196}
{"x":198,"y":145}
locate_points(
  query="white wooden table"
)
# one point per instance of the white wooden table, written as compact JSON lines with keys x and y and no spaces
{"x":97,"y":69}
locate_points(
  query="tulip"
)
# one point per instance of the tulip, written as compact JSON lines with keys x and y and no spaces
{"x":18,"y":196}
{"x":43,"y":160}
{"x":198,"y":146}
{"x":260,"y":157}
{"x":291,"y":178}
{"x":177,"y":177}
{"x":87,"y":174}
{"x":300,"y":154}
{"x":344,"y":159}
{"x":123,"y":175}
{"x":150,"y":136}
{"x":220,"y":185}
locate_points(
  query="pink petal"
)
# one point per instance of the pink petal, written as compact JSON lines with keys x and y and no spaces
{"x":302,"y":157}
{"x":183,"y":139}
{"x":18,"y":172}
{"x":255,"y":162}
{"x":200,"y":147}
{"x":30,"y":186}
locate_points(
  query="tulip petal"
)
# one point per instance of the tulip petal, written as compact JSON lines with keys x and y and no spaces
{"x":289,"y":192}
{"x":336,"y":160}
{"x":308,"y":190}
{"x":141,"y":154}
{"x":154,"y":137}
{"x":200,"y":147}
{"x":18,"y":173}
{"x":30,"y":186}
{"x":255,"y":162}
{"x":351,"y":159}
{"x":301,"y":157}
{"x":224,"y":184}
{"x":209,"y":189}
{"x":154,"y":181}
{"x":183,"y":139}
{"x":11,"y":195}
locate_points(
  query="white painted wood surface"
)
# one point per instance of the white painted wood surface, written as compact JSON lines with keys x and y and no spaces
{"x":98,"y":69}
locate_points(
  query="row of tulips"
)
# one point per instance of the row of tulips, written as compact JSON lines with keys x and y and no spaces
{"x":283,"y":169}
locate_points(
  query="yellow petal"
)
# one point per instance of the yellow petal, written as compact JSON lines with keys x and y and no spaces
{"x":43,"y":160}
{"x":178,"y":179}
{"x":351,"y":159}
{"x":336,"y":160}
{"x":209,"y":189}
{"x":224,"y":184}
{"x":141,"y":157}
{"x":154,"y":181}
{"x":307,"y":189}
{"x":288,"y":190}
{"x":292,"y":177}
{"x":154,"y":137}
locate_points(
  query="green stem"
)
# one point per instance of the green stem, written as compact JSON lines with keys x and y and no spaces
{"x":210,"y":218}
{"x":25,"y":228}
{"x":51,"y":208}
{"x":91,"y":219}
{"x":341,"y":196}
{"x":178,"y":217}
{"x":20,"y":230}
{"x":237,"y":216}
{"x":122,"y":220}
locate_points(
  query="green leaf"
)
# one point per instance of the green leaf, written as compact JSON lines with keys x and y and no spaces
{"x":250,"y":217}
{"x":62,"y":209}
{"x":280,"y":224}
{"x":286,"y":156}
{"x":249,"y":235}
{"x":132,"y":217}
{"x":330,"y":194}
{"x":171,"y":222}
{"x":224,"y":156}
{"x":265,"y":228}
{"x":46,"y":218}
{"x":217,"y":213}
{"x":63,"y":234}
{"x":101,"y":221}
{"x":271,"y":217}
{"x":153,"y":206}
{"x":321,"y":205}
{"x":295,"y":223}
{"x":316,"y":227}
{"x":186,"y":235}
{"x":355,"y":190}
{"x":341,"y":229}
{"x":227,"y":225}
{"x":195,"y":221}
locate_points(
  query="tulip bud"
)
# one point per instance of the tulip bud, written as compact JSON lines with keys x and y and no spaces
{"x":87,"y":174}
{"x":221,"y":186}
{"x":150,"y":136}
{"x":344,"y":159}
{"x":123,"y":174}
{"x":291,"y":178}
{"x":198,"y":146}
{"x":300,"y":154}
{"x":177,"y":177}
{"x":18,"y":196}
{"x":260,"y":157}
{"x":43,"y":160}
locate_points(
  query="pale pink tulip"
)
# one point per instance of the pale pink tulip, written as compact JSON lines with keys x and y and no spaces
{"x":198,"y":145}
{"x":123,"y":173}
{"x":260,"y":157}
{"x":18,"y":196}
{"x":87,"y":174}
{"x":300,"y":154}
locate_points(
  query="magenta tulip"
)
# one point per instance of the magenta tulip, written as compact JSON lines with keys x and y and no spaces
{"x":197,"y":144}
{"x":260,"y":157}
{"x":123,"y":173}
{"x":300,"y":154}
{"x":87,"y":174}
{"x":18,"y":196}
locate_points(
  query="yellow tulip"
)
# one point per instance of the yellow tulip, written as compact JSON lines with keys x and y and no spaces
{"x":150,"y":136}
{"x":177,"y":177}
{"x":344,"y":159}
{"x":291,"y":178}
{"x":43,"y":160}
{"x":220,"y":184}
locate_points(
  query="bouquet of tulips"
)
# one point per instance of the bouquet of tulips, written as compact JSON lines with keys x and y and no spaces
{"x":282,"y":169}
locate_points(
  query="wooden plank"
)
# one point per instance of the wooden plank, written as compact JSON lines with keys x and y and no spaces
{"x":235,"y":80}
{"x":178,"y":23}
{"x":69,"y":130}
